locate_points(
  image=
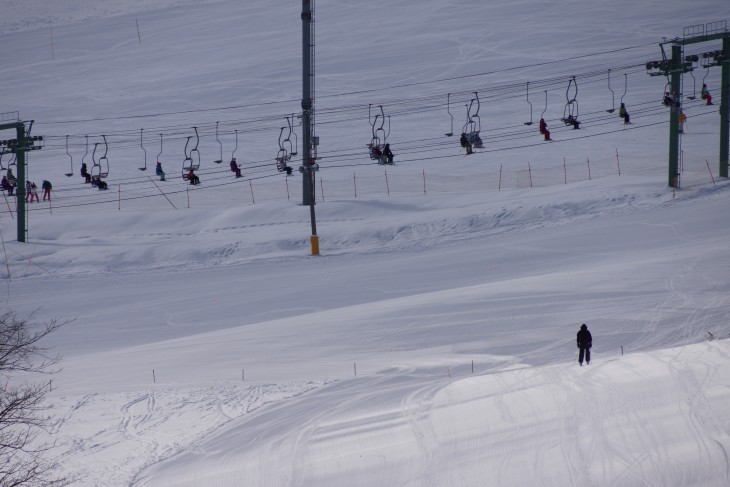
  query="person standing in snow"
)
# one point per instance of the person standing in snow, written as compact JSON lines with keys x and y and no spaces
{"x":585,"y":341}
{"x":46,"y":187}
{"x":31,"y":192}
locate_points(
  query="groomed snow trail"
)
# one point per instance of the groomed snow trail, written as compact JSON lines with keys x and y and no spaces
{"x":646,"y":419}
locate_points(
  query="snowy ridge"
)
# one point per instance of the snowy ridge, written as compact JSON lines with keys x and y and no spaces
{"x":563,"y":425}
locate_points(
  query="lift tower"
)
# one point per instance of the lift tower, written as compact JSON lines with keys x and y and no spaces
{"x":674,"y":68}
{"x":309,"y":140}
{"x":19,"y":146}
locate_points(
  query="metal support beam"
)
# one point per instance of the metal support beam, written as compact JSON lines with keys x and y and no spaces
{"x":725,"y":108}
{"x":20,"y":148}
{"x":20,"y":155}
{"x":675,"y":81}
{"x":309,"y":140}
{"x":307,"y":97}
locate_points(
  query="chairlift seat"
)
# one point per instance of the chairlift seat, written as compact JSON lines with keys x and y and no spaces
{"x":376,"y":152}
{"x":475,"y":140}
{"x":281,"y":165}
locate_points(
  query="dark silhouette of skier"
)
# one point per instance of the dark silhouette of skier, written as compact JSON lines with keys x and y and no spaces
{"x":464,"y":141}
{"x":235,"y":167}
{"x":388,"y":154}
{"x":585,"y":341}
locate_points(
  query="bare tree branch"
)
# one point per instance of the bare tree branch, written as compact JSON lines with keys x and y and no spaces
{"x":21,"y":404}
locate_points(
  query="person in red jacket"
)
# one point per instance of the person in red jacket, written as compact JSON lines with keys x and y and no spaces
{"x":705,"y":94}
{"x":544,"y":130}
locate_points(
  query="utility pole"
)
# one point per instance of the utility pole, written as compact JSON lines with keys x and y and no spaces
{"x":309,"y":140}
{"x":675,"y":83}
{"x":725,"y":108}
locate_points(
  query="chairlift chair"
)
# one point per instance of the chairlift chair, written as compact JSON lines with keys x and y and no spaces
{"x":281,"y":161}
{"x":293,"y":132}
{"x":96,"y":173}
{"x":157,"y":160}
{"x":188,"y":161}
{"x":669,"y":98}
{"x":233,"y":154}
{"x":376,"y":145}
{"x":613,"y":98}
{"x":467,"y":128}
{"x":144,"y":150}
{"x":692,"y":59}
{"x":381,"y":129}
{"x":448,"y":110}
{"x":472,"y":127}
{"x":195,"y":153}
{"x":287,"y":140}
{"x":13,"y":162}
{"x":95,"y":166}
{"x":68,"y":174}
{"x":571,"y":112}
{"x":529,"y":103}
{"x":282,"y":156}
{"x":86,"y":152}
{"x":218,"y":161}
{"x":103,"y":161}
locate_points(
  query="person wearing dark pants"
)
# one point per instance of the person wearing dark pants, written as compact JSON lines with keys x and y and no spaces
{"x":585,"y":341}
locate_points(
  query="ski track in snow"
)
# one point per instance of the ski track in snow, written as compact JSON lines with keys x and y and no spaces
{"x":144,"y":427}
{"x":567,"y":425}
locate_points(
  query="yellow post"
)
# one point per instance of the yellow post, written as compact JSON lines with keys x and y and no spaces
{"x":315,"y":245}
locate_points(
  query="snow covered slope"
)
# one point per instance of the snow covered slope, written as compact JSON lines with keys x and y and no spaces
{"x":432,"y":341}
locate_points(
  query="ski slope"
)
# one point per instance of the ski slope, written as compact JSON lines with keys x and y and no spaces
{"x":432,"y":341}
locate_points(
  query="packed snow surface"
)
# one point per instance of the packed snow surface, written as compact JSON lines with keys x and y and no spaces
{"x":432,"y":341}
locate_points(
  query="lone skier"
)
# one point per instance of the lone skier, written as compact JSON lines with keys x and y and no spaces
{"x":585,"y":341}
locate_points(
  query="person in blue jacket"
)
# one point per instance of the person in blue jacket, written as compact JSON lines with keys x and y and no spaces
{"x":159,"y":171}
